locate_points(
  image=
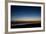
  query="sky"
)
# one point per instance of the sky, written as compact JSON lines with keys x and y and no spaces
{"x":25,"y":13}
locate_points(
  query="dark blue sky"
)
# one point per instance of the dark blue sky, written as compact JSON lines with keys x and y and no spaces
{"x":25,"y":11}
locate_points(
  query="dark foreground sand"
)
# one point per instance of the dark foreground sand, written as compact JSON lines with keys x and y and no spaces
{"x":25,"y":24}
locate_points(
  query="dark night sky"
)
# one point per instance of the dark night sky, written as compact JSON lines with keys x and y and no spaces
{"x":25,"y":11}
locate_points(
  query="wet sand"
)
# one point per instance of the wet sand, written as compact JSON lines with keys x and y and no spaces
{"x":25,"y":24}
